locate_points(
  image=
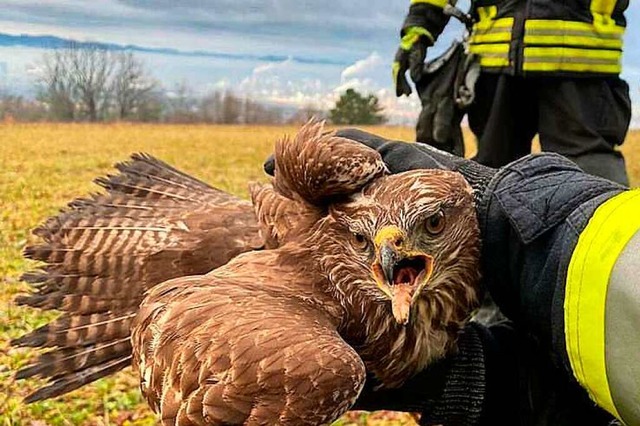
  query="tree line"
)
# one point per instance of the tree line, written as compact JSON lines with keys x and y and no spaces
{"x":85,"y":83}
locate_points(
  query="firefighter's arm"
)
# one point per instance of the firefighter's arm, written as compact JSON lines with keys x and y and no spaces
{"x":561,"y":256}
{"x":422,"y":26}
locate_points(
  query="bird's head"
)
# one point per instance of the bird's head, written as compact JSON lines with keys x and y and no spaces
{"x":412,"y":241}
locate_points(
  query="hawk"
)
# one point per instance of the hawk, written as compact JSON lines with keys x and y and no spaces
{"x":360,"y":272}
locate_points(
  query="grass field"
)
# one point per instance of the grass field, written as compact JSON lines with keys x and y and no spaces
{"x":44,"y":166}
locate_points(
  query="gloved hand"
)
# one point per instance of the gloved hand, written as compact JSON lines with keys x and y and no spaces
{"x":410,"y":56}
{"x":475,"y":385}
{"x":402,"y":156}
{"x":422,"y":26}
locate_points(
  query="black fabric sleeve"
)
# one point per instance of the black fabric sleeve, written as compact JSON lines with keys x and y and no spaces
{"x":531,"y":216}
{"x":427,"y":16}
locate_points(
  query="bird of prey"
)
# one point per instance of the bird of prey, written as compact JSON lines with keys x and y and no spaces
{"x":361,"y":272}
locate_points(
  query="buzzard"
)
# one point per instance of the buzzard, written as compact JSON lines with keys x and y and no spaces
{"x":360,"y":272}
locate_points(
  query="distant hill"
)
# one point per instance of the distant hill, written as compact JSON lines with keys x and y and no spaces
{"x":54,"y":42}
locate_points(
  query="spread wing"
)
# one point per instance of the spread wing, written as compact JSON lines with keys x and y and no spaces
{"x":316,"y":166}
{"x":223,"y":350}
{"x":153,"y":223}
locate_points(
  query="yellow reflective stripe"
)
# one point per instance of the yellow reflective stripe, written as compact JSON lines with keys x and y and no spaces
{"x":570,"y":53}
{"x":558,"y":25}
{"x":575,"y":34}
{"x":492,"y":31}
{"x":489,"y":62}
{"x":412,"y":35}
{"x":572,"y":59}
{"x":504,"y":24}
{"x":573,"y":41}
{"x":491,"y":37}
{"x":570,"y":33}
{"x":610,"y":229}
{"x":395,"y":70}
{"x":586,"y":68}
{"x":483,"y":49}
{"x":492,"y":55}
{"x":439,"y":3}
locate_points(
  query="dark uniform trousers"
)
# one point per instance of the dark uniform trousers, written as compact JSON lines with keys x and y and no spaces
{"x":585,"y":119}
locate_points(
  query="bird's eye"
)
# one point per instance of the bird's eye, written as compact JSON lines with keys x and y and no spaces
{"x":360,"y":241}
{"x":436,"y":223}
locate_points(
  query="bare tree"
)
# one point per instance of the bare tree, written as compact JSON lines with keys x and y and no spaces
{"x":132,"y":88}
{"x":18,"y":108}
{"x":231,"y":109}
{"x":93,"y":83}
{"x":182,"y":105}
{"x":56,"y":85}
{"x":211,"y":108}
{"x":92,"y":67}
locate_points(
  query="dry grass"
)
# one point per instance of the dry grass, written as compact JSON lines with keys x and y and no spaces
{"x":42,"y":167}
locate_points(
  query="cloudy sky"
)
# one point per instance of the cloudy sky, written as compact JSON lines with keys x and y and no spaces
{"x":289,"y":52}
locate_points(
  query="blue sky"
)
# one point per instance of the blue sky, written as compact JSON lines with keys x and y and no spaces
{"x":352,"y":43}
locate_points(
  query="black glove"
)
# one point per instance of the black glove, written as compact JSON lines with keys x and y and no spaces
{"x":402,"y":156}
{"x":422,"y":26}
{"x":475,"y":385}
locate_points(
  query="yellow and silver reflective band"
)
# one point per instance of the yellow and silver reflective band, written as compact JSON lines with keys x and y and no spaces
{"x":438,"y":3}
{"x":412,"y":35}
{"x":498,"y":30}
{"x":490,"y":38}
{"x":572,"y":60}
{"x":569,"y":33}
{"x":492,"y":55}
{"x":599,"y":246}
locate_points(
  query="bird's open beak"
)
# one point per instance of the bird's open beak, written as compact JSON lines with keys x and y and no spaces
{"x":400,"y":273}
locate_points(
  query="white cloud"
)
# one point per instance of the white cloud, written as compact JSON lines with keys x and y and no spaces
{"x":273,"y":66}
{"x":362,"y":66}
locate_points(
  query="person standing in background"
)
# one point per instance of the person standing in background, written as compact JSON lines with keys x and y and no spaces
{"x":548,"y":67}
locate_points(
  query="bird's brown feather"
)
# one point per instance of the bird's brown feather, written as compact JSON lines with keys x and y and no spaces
{"x":254,"y":342}
{"x":316,"y":166}
{"x":279,"y":336}
{"x":103,"y":253}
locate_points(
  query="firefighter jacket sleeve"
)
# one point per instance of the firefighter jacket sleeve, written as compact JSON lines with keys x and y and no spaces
{"x":561,"y":258}
{"x":422,"y":26}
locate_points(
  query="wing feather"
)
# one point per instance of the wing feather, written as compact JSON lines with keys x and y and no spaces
{"x":104,"y":252}
{"x":316,"y":166}
{"x":220,"y":349}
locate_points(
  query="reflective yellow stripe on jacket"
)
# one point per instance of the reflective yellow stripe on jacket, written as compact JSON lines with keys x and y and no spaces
{"x":600,"y":244}
{"x":491,"y":38}
{"x":552,"y":45}
{"x":438,"y":3}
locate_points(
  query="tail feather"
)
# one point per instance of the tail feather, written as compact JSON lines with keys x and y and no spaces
{"x":69,"y":383}
{"x":59,"y":363}
{"x":105,"y":251}
{"x":79,"y":284}
{"x":70,"y":331}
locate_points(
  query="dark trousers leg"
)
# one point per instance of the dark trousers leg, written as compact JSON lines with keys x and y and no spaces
{"x":585,"y":119}
{"x":503,"y":118}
